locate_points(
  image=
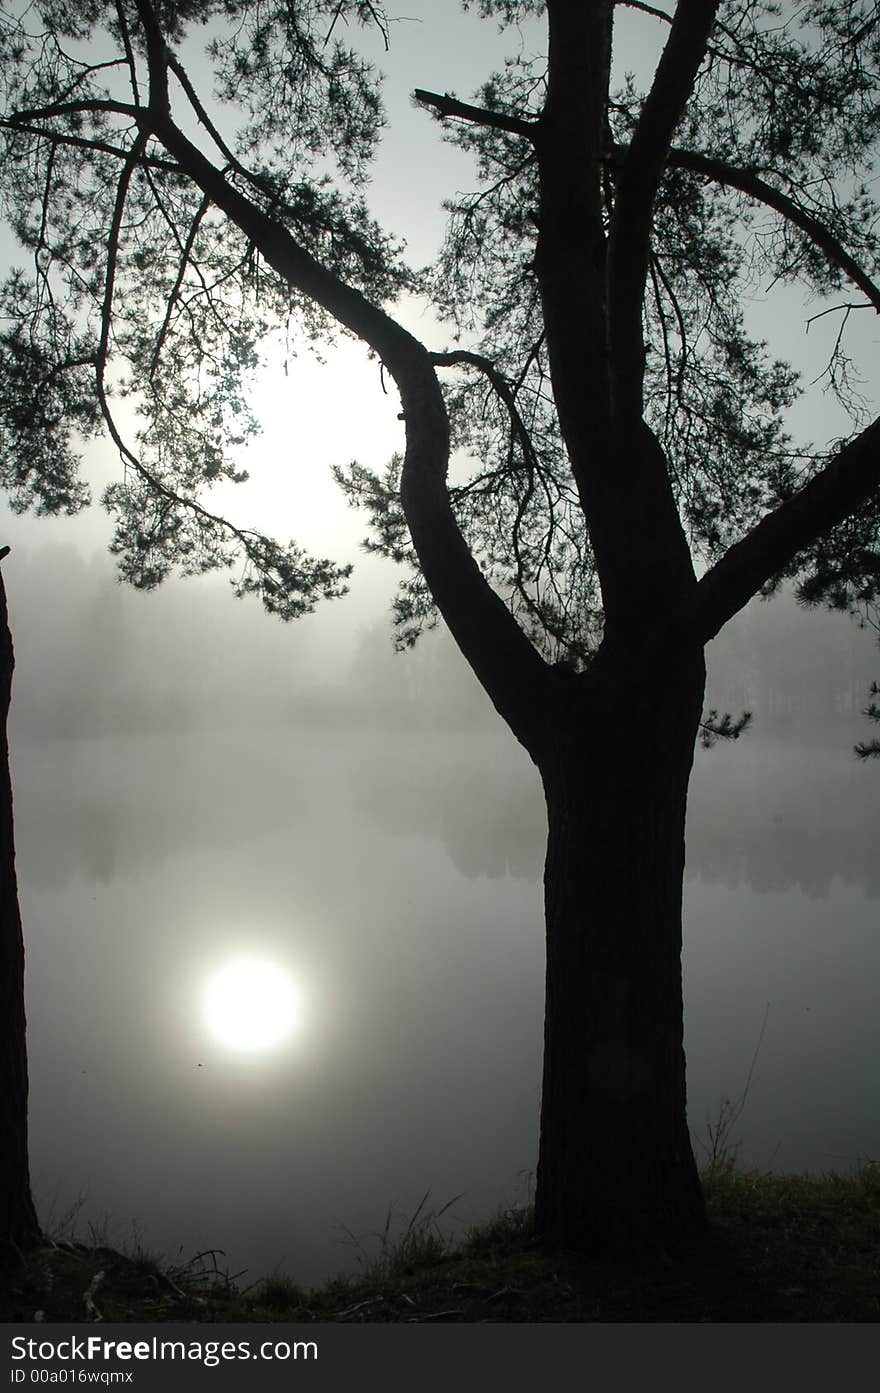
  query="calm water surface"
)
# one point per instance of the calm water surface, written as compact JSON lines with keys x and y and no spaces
{"x":398,"y":877}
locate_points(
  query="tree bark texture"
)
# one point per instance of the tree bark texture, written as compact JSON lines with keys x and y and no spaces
{"x":616,"y":1165}
{"x":19,"y":1229}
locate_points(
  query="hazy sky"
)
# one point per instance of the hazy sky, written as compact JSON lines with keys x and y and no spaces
{"x":194,"y":781}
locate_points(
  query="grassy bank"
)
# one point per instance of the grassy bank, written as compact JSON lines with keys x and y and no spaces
{"x":779,"y":1248}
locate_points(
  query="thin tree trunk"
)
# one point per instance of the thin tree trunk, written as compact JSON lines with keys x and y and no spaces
{"x":616,"y":1165}
{"x":19,"y":1229}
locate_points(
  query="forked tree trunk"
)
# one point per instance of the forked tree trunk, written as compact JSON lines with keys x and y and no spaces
{"x":19,"y":1229}
{"x":616,"y":1165}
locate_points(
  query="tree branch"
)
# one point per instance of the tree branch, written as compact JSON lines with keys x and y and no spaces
{"x":157,"y":59}
{"x":447,"y":106}
{"x":204,"y":119}
{"x":640,"y":172}
{"x":129,"y":52}
{"x":377,"y":17}
{"x":502,"y":657}
{"x":757,"y":188}
{"x":507,"y":395}
{"x":82,"y":142}
{"x":185,"y":254}
{"x":596,"y":366}
{"x":43,"y":113}
{"x":101,"y":356}
{"x":501,"y":387}
{"x":847,"y":481}
{"x":646,"y":9}
{"x":570,"y":252}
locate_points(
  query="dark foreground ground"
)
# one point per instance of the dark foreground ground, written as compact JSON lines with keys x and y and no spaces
{"x":779,"y":1248}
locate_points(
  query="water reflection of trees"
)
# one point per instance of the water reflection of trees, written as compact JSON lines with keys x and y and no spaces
{"x":787,"y":806}
{"x":778,"y":815}
{"x":800,"y":672}
{"x":480,"y":798}
{"x":764,"y":815}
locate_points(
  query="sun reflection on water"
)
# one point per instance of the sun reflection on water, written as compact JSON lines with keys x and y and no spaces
{"x":251,"y":1005}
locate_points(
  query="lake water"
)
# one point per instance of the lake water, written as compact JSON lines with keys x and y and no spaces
{"x":193,"y":782}
{"x":398,"y":876}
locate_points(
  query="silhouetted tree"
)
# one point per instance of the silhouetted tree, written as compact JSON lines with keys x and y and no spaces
{"x":19,"y":1229}
{"x":633,"y":484}
{"x":870,"y":749}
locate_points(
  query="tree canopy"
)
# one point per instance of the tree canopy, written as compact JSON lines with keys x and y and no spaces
{"x":172,"y":225}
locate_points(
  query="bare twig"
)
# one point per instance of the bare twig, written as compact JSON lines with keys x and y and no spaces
{"x":435,"y":1315}
{"x":186,"y":252}
{"x":350,"y":1310}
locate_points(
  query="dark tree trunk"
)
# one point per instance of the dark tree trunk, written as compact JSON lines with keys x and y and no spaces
{"x":616,"y":1165}
{"x":19,"y":1229}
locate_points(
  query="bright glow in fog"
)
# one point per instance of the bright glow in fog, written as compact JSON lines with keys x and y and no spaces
{"x":251,"y":1004}
{"x":302,"y":431}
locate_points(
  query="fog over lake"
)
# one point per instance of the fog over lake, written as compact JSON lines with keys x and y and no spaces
{"x":194,"y":781}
